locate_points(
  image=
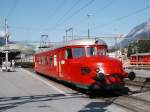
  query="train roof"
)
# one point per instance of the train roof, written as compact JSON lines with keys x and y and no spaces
{"x":82,"y":41}
{"x":85,"y":41}
{"x":141,"y":54}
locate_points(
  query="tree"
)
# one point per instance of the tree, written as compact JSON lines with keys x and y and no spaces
{"x":139,"y":46}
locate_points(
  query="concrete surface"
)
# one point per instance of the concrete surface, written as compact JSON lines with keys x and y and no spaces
{"x":23,"y":91}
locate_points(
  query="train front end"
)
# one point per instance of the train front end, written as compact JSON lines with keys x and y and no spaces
{"x":96,"y":68}
{"x":109,"y":73}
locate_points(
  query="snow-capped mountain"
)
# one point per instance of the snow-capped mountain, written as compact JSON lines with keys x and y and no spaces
{"x":141,"y":31}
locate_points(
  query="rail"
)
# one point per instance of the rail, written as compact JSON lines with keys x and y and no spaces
{"x":132,"y":103}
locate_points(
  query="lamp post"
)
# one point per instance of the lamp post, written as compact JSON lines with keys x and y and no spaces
{"x":6,"y":42}
{"x":137,"y":50}
{"x":88,"y":15}
{"x":148,"y":25}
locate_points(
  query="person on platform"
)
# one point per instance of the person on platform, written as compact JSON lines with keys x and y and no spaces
{"x":13,"y":65}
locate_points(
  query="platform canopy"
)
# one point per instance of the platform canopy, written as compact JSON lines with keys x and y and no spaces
{"x":15,"y":50}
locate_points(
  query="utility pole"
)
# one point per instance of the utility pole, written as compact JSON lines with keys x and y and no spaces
{"x":6,"y":64}
{"x":6,"y":42}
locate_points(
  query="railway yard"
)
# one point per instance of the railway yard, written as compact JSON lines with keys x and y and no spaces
{"x":74,"y":79}
{"x":75,"y":56}
{"x":25,"y":91}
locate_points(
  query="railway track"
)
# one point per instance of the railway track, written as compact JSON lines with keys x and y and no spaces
{"x":141,"y":83}
{"x":132,"y":103}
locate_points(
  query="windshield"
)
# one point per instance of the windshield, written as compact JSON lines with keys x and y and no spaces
{"x":101,"y":51}
{"x":78,"y":52}
{"x":91,"y":51}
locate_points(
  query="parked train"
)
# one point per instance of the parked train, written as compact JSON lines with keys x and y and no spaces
{"x":140,"y":59}
{"x":82,"y":62}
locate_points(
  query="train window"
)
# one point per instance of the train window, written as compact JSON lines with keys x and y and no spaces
{"x":51,"y":60}
{"x":43,"y":60}
{"x":78,"y":52}
{"x":40,"y":60}
{"x":55,"y":60}
{"x":46,"y":61}
{"x":68,"y":53}
{"x":91,"y":51}
{"x":101,"y":51}
{"x":37,"y":59}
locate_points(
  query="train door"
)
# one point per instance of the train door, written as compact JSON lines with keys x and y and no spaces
{"x":60,"y":63}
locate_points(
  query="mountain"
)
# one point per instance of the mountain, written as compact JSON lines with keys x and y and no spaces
{"x":2,"y":41}
{"x":141,"y":31}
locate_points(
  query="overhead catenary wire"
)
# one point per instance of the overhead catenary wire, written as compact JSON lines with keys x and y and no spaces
{"x":102,"y":25}
{"x":121,"y":18}
{"x":12,"y":9}
{"x":73,"y":14}
{"x":100,"y":10}
{"x":58,"y":8}
{"x":106,"y":6}
{"x":68,"y":11}
{"x":37,"y":29}
{"x":80,"y":9}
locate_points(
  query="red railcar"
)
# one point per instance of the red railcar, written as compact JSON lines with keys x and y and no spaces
{"x":82,"y":62}
{"x":140,"y":59}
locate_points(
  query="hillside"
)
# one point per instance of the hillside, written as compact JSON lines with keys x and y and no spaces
{"x":141,"y":31}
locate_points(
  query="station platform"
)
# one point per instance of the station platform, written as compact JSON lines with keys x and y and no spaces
{"x":24,"y":91}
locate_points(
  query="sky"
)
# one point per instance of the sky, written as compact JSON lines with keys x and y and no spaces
{"x":29,"y":19}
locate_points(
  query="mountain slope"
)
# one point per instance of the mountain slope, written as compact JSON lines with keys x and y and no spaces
{"x":141,"y":31}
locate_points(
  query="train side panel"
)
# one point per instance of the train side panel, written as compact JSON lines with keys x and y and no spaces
{"x":140,"y":59}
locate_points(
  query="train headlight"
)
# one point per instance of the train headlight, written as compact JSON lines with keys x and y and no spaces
{"x":97,"y":70}
{"x":85,"y":70}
